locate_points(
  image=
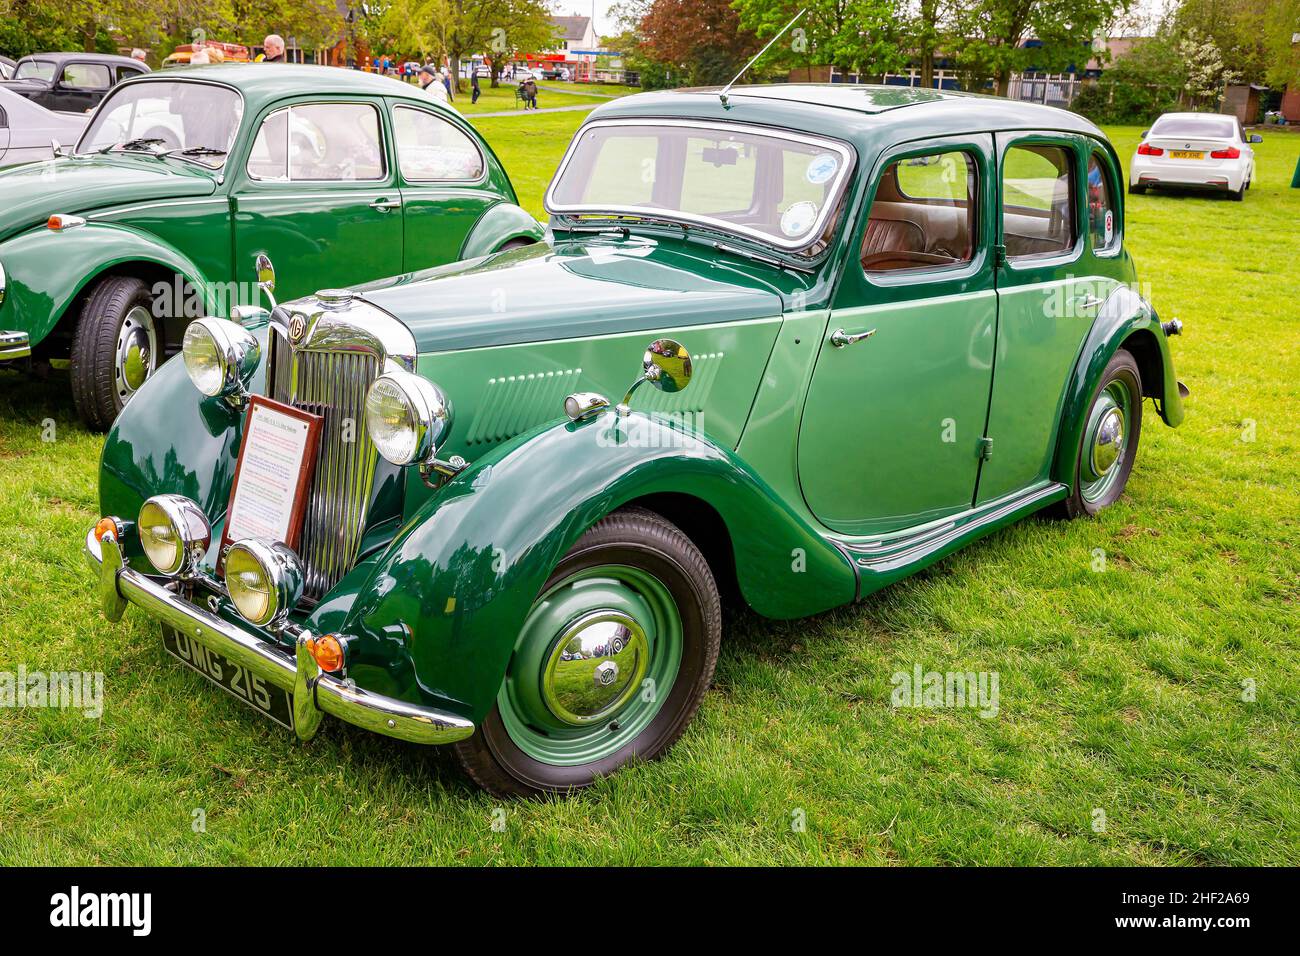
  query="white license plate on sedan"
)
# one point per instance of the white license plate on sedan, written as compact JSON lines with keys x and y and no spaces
{"x":235,"y":679}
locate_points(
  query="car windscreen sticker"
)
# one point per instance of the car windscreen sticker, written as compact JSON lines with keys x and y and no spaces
{"x":1110,"y":225}
{"x":821,"y":168}
{"x":799,"y":218}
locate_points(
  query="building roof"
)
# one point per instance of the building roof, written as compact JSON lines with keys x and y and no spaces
{"x":571,"y":28}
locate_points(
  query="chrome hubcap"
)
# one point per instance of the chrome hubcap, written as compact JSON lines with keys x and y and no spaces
{"x":595,"y":667}
{"x":137,"y":349}
{"x":1107,"y":441}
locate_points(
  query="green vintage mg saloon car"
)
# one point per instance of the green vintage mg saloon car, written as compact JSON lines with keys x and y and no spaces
{"x":787,"y":347}
{"x":184,"y":179}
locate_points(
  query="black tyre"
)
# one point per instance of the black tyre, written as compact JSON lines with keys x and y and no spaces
{"x":117,"y":346}
{"x":1109,"y":443}
{"x":1137,"y":190}
{"x":610,"y":665}
{"x":1239,"y":194}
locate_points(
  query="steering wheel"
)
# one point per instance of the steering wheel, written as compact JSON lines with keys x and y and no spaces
{"x":902,"y":259}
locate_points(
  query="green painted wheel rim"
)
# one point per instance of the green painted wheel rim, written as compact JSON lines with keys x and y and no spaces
{"x":546,"y":733}
{"x":1114,"y":403}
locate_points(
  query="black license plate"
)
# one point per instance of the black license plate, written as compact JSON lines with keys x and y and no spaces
{"x":237,"y":680}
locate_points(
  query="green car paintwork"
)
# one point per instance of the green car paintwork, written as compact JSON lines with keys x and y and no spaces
{"x":169,"y":220}
{"x":809,"y":475}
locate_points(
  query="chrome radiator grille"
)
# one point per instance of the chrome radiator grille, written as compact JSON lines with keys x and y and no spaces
{"x":333,"y":385}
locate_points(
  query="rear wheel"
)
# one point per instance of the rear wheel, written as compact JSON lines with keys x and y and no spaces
{"x":1136,"y":190}
{"x":117,"y":347}
{"x":1239,"y":194}
{"x":1108,"y":446}
{"x":611,"y":663}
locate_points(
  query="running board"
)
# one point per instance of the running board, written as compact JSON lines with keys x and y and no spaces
{"x":883,"y":560}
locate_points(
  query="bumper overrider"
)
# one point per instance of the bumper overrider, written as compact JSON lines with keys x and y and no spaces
{"x":314,"y":691}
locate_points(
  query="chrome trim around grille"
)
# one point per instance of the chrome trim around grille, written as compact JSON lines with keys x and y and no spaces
{"x":324,"y":355}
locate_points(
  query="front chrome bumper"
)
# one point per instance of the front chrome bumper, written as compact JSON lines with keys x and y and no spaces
{"x":14,"y":345}
{"x":314,"y":693}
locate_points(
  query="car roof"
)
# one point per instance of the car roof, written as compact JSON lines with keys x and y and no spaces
{"x":63,"y":57}
{"x":871,"y":116}
{"x":261,"y":83}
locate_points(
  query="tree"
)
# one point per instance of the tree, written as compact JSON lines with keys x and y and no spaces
{"x":857,"y":36}
{"x":989,"y":36}
{"x":1283,"y":53}
{"x":1207,"y":72}
{"x":703,"y":38}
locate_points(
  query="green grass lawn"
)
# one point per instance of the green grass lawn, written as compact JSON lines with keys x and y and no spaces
{"x":1121,"y":692}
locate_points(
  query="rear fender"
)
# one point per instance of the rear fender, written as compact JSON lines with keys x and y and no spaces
{"x":1126,"y":320}
{"x":500,"y":224}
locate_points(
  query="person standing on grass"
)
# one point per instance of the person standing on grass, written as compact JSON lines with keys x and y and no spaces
{"x":530,"y":93}
{"x":475,"y":92}
{"x":432,"y":85}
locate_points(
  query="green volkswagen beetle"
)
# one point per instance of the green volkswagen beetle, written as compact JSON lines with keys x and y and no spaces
{"x":184,"y":179}
{"x":787,"y":346}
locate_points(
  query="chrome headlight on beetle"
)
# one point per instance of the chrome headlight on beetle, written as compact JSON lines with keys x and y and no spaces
{"x":174,"y":533}
{"x":406,"y":417}
{"x":264,"y":581}
{"x":220,"y":356}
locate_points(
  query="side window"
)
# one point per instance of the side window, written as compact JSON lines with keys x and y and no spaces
{"x":1037,"y":201}
{"x":319,"y":142}
{"x":4,"y":119}
{"x":923,"y":215}
{"x":1101,"y":206}
{"x":86,"y":76}
{"x":430,"y":148}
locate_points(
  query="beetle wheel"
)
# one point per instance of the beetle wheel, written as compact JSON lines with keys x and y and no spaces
{"x":611,"y":663}
{"x":117,"y":347}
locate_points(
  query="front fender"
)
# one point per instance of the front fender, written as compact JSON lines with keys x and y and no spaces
{"x":170,"y":439}
{"x":1126,"y":320}
{"x":47,"y":270}
{"x":496,"y":227}
{"x":453,"y":589}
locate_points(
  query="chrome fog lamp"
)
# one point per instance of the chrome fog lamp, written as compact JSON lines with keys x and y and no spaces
{"x":406,"y":417}
{"x":174,"y":533}
{"x":264,"y":581}
{"x":220,"y":356}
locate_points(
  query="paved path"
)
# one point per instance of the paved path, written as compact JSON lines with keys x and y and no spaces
{"x":522,"y":112}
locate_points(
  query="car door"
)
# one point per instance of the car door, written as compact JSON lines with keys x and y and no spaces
{"x":4,"y":133}
{"x":443,"y":171}
{"x":1046,"y":303}
{"x":318,"y":196}
{"x":895,"y":414}
{"x":80,"y":86}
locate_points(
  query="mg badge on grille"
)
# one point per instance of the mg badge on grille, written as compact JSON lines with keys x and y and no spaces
{"x":297,"y":326}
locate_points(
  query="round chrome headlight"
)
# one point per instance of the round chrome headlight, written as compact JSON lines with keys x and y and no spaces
{"x":220,"y":356}
{"x":264,"y":581}
{"x":406,"y":417}
{"x":174,"y":532}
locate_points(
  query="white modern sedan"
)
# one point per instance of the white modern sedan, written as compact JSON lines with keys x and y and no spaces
{"x":1194,"y":151}
{"x":28,"y":130}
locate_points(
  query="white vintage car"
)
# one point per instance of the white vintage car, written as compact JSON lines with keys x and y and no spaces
{"x":1195,"y":151}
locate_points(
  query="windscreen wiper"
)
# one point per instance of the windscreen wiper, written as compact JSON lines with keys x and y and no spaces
{"x":135,"y":144}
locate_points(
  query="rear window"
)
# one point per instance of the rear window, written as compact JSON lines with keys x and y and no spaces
{"x":1218,"y":128}
{"x":35,"y":70}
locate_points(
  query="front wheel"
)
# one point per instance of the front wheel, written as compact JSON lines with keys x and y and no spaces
{"x":611,"y":663}
{"x":117,"y":346}
{"x":1108,"y":446}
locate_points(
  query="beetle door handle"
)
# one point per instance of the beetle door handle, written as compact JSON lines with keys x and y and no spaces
{"x":383,"y":205}
{"x":1087,"y":302}
{"x":840,"y":338}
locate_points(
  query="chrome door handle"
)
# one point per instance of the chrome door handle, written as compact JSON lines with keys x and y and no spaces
{"x":840,"y":338}
{"x":383,"y":205}
{"x":1088,"y":302}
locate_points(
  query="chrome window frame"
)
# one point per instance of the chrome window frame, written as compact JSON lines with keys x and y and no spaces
{"x":397,"y":148}
{"x":848,"y":162}
{"x":136,"y":81}
{"x":385,"y":177}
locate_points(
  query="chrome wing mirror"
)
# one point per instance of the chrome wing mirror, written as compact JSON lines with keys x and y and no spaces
{"x":266,"y":276}
{"x":666,"y":365}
